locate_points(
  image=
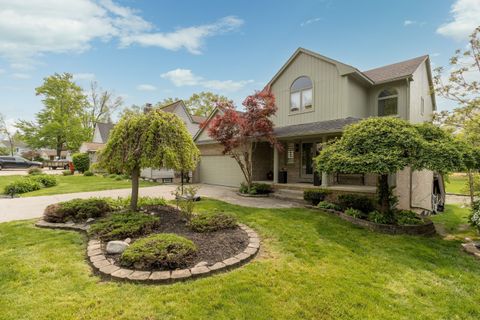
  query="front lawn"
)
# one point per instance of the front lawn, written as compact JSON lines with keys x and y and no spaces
{"x":457,"y":184}
{"x":311,"y":266}
{"x":453,"y":223}
{"x":76,"y":183}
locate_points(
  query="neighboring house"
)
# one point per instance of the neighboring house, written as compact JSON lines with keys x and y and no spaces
{"x":19,"y":147}
{"x":316,"y":98}
{"x":100,"y":137}
{"x":192,"y":123}
{"x":51,"y":154}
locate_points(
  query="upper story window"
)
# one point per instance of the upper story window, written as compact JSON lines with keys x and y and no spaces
{"x":388,"y":102}
{"x":301,"y":94}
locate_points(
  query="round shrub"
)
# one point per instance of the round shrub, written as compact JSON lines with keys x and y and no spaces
{"x":66,"y":173}
{"x":359,"y":202}
{"x":46,"y":180}
{"x":164,"y":250}
{"x":35,"y":171}
{"x":212,"y":221}
{"x":81,"y":162}
{"x":119,"y":226}
{"x":314,"y":196}
{"x":78,"y":210}
{"x":88,"y":173}
{"x":23,"y":185}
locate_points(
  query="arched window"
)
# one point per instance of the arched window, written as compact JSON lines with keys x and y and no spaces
{"x":388,"y":102}
{"x":301,"y":94}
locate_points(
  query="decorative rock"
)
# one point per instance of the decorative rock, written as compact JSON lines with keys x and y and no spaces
{"x":116,"y":247}
{"x":90,"y":220}
{"x":217,"y":266}
{"x":93,"y":242}
{"x":201,"y":264}
{"x":255,"y":245}
{"x":127,"y":241}
{"x":122,"y":273}
{"x":199,"y":270}
{"x":139,"y":275}
{"x":160,"y":275}
{"x":179,"y":274}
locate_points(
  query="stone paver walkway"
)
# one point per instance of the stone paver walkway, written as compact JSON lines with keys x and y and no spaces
{"x":32,"y":207}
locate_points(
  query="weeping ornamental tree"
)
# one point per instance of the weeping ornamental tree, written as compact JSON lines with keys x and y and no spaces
{"x":154,"y":139}
{"x":387,"y":145}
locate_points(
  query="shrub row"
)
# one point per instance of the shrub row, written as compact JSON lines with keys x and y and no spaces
{"x":29,"y":184}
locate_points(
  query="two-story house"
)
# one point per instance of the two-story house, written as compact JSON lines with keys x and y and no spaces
{"x":316,"y":98}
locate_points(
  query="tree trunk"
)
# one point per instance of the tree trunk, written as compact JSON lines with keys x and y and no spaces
{"x":471,"y":187}
{"x":383,"y":193}
{"x":134,"y":197}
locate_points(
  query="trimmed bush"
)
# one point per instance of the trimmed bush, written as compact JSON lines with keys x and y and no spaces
{"x":359,"y":202}
{"x":328,"y":205}
{"x":119,"y":226}
{"x":212,"y":221}
{"x":378,"y":217}
{"x":164,"y":250}
{"x":408,"y":217}
{"x":88,"y":173}
{"x":23,"y":185}
{"x":314,"y":196}
{"x":355,"y":213}
{"x":35,"y":171}
{"x":81,"y":162}
{"x":66,"y":173}
{"x":256,"y":188}
{"x":46,"y":180}
{"x":78,"y":210}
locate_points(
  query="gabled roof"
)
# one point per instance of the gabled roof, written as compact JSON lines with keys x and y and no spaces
{"x":104,"y":130}
{"x":395,"y":71}
{"x":198,"y":119}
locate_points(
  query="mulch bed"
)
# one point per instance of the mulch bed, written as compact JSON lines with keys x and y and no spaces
{"x":212,"y":247}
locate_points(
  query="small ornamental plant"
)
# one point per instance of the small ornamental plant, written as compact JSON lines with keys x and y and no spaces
{"x":159,"y":251}
{"x":212,"y":221}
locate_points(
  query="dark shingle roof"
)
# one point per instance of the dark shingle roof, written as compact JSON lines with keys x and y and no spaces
{"x":305,"y":129}
{"x":395,"y":71}
{"x":104,"y":129}
{"x":198,"y":119}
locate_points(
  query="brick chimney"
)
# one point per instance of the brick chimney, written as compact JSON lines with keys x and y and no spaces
{"x":148,"y":107}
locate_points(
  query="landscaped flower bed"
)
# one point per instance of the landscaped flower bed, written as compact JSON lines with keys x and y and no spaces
{"x":361,"y":211}
{"x":161,"y":244}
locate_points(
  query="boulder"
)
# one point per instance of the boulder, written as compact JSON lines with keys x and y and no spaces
{"x":116,"y":247}
{"x":128,"y":240}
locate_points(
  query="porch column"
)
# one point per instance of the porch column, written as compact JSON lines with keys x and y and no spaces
{"x":275,"y":165}
{"x":324,"y":174}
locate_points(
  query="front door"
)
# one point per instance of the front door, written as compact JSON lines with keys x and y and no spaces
{"x":308,"y":153}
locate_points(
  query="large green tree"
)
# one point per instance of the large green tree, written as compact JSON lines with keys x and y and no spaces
{"x":387,"y":145}
{"x":59,"y":124}
{"x":154,"y":139}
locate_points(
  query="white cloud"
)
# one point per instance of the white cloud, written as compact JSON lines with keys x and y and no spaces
{"x":146,"y":87}
{"x":21,"y":76}
{"x":83,"y":76}
{"x":32,"y":28}
{"x":185,"y":77}
{"x":466,"y":17}
{"x":408,"y":22}
{"x":190,"y":38}
{"x":309,"y":21}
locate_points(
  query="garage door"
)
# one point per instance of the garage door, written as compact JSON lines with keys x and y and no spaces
{"x":220,"y":170}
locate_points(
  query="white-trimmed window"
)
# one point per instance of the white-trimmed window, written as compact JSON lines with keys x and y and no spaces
{"x":301,"y":94}
{"x":388,"y":102}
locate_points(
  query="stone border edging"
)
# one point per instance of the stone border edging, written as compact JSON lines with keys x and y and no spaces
{"x":426,"y":229}
{"x":104,"y":267}
{"x":247,"y":195}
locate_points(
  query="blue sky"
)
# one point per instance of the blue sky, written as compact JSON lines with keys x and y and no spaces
{"x":149,"y":50}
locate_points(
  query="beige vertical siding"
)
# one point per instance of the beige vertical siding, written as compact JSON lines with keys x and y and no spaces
{"x":329,"y":91}
{"x":420,"y":88}
{"x":357,"y":100}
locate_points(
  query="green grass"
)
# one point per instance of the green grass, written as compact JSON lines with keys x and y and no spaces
{"x":456,"y":184}
{"x":453,"y":223}
{"x":77,"y":183}
{"x":312,"y":265}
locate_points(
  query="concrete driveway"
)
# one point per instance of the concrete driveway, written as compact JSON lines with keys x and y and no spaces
{"x":24,"y":172}
{"x":32,"y":207}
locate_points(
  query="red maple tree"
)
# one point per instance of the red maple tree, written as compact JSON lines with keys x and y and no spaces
{"x":239,"y":132}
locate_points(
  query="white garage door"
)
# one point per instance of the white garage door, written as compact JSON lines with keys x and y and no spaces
{"x":220,"y":170}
